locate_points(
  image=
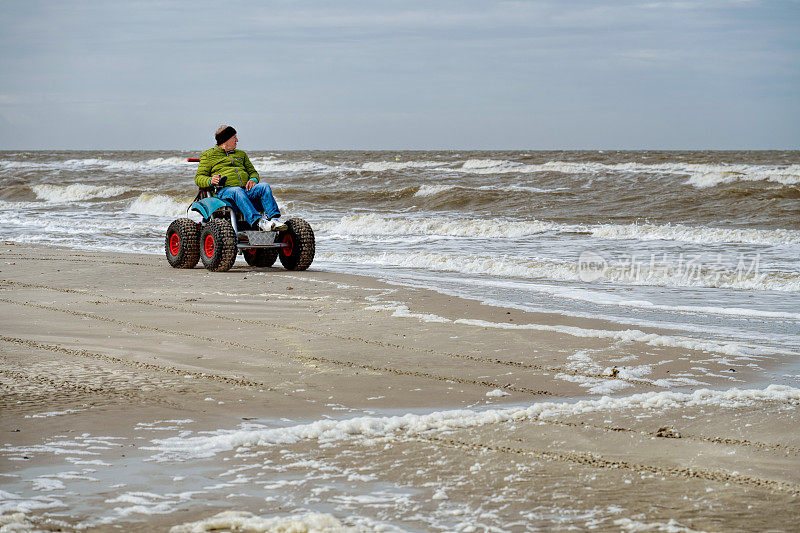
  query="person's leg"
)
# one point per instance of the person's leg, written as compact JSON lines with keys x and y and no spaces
{"x":262,"y":194}
{"x":239,"y":197}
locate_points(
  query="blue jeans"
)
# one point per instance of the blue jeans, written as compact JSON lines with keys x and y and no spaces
{"x":251,"y":202}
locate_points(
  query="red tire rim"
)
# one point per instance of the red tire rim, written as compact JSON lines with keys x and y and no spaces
{"x":289,"y":245}
{"x":208,"y":246}
{"x":174,"y":244}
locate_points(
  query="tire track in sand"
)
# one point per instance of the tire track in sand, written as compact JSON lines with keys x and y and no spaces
{"x":474,"y":358}
{"x":671,"y":434}
{"x":72,"y":388}
{"x":228,"y":380}
{"x":596,"y":461}
{"x":297,"y":357}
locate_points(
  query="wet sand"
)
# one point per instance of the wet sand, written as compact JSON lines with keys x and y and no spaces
{"x":113,"y":366}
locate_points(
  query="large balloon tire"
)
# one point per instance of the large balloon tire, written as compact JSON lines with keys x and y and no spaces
{"x":218,"y":245}
{"x":260,"y":257}
{"x":298,"y":238}
{"x":182,"y":243}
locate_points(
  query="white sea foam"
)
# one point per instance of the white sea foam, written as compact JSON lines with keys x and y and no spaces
{"x":16,"y":523}
{"x":595,"y":385}
{"x":158,"y":205}
{"x":75,"y":192}
{"x":431,"y":190}
{"x":700,"y":175}
{"x":277,"y":165}
{"x":373,"y":224}
{"x":700,"y":235}
{"x":98,"y":163}
{"x":607,"y":298}
{"x":148,"y":503}
{"x":673,"y":526}
{"x":704,"y":176}
{"x":400,"y":310}
{"x":208,"y":444}
{"x":49,"y":414}
{"x":520,"y":188}
{"x":10,"y":502}
{"x":381,"y":166}
{"x":489,"y":164}
{"x":158,"y":163}
{"x":630,"y":335}
{"x":51,"y":224}
{"x":245,"y":521}
{"x":46,"y":484}
{"x":558,"y":270}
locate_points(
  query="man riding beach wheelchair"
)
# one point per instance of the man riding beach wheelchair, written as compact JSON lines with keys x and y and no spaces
{"x":231,"y":222}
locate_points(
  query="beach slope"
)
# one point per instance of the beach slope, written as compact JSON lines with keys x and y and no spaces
{"x":135,"y":395}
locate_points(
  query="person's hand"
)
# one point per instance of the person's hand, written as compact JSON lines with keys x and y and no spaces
{"x":250,"y":184}
{"x":215,"y":179}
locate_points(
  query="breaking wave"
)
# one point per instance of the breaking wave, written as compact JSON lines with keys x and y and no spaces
{"x":158,"y":205}
{"x":265,"y":164}
{"x":75,"y":192}
{"x":372,"y":224}
{"x":700,"y":175}
{"x":381,"y":166}
{"x":699,"y":235}
{"x":430,"y":190}
{"x":158,"y":164}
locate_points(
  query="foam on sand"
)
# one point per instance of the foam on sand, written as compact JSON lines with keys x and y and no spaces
{"x":208,"y":444}
{"x":630,"y":335}
{"x":148,"y":503}
{"x":244,"y":521}
{"x":730,"y":348}
{"x":16,"y":523}
{"x":627,"y":524}
{"x":10,"y":502}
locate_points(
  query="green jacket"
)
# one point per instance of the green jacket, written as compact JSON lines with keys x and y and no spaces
{"x":235,"y":166}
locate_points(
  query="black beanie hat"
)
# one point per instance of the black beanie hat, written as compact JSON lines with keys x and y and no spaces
{"x":225,"y":134}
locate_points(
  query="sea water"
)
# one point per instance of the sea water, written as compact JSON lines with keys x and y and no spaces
{"x":704,"y":243}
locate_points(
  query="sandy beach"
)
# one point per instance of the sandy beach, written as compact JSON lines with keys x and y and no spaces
{"x":142,"y":398}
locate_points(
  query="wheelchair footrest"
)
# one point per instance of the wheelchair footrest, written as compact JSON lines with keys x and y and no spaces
{"x":260,"y":237}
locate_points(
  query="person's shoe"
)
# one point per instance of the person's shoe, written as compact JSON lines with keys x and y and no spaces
{"x":271,"y":224}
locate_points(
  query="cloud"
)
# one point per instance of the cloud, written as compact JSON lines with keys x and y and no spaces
{"x":503,"y":71}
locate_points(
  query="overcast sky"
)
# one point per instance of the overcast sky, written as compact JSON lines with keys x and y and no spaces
{"x":401,"y":74}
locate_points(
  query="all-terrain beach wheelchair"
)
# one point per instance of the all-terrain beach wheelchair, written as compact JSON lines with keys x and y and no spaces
{"x":223,"y":233}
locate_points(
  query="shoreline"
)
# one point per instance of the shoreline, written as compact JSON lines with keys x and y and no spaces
{"x":117,"y":347}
